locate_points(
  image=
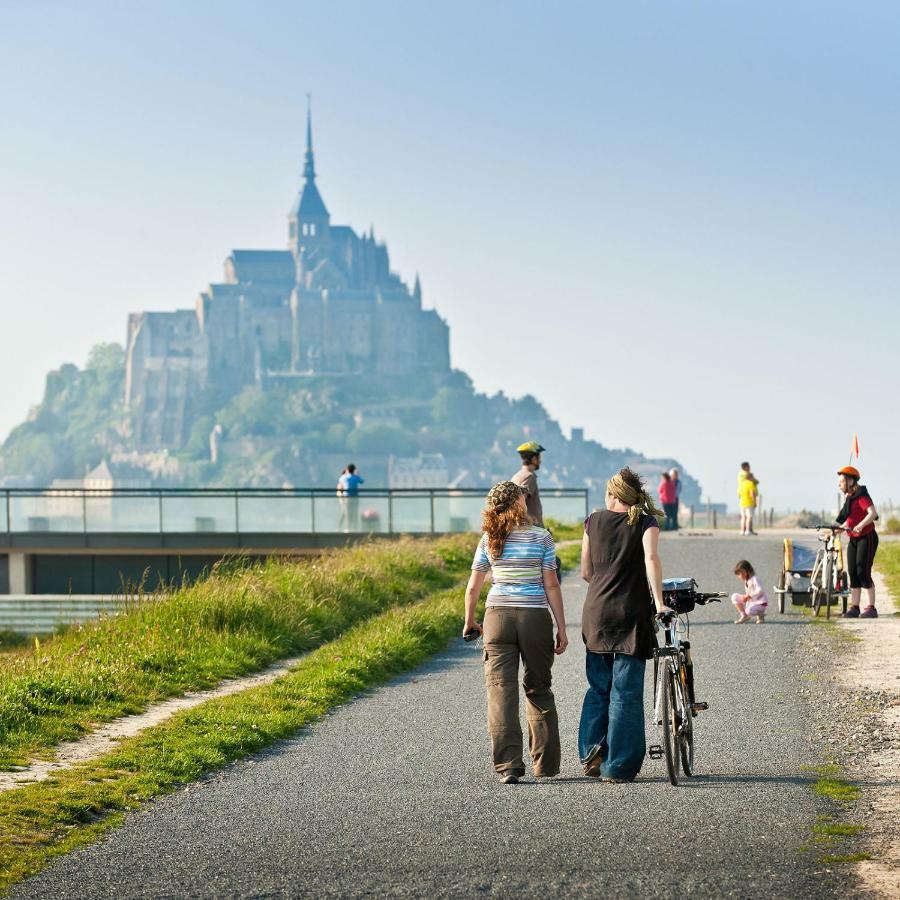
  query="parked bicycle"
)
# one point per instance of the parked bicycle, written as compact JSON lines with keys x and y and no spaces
{"x":828,"y":580}
{"x":675,"y":705}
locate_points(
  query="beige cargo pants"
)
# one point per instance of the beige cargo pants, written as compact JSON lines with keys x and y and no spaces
{"x":511,"y":632}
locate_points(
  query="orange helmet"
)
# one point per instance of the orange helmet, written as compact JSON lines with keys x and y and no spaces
{"x":852,"y":471}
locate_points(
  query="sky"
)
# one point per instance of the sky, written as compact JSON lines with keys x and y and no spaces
{"x":675,"y":224}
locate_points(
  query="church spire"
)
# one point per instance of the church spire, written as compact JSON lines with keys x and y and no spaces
{"x":309,"y":219}
{"x":309,"y":162}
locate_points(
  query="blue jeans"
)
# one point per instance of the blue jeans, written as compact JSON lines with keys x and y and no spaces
{"x":613,"y":713}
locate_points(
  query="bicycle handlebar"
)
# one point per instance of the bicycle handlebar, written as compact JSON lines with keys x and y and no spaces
{"x":710,"y":598}
{"x":830,"y":526}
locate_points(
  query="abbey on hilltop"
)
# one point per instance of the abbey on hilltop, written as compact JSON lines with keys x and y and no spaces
{"x":328,"y":305}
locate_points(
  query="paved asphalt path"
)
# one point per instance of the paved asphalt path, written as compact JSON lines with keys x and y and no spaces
{"x":393,"y":794}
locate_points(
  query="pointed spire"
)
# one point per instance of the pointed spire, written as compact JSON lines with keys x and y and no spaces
{"x":309,"y":163}
{"x":309,"y":209}
{"x":417,"y":290}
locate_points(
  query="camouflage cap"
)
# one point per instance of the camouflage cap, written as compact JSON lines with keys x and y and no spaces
{"x":530,"y":447}
{"x":503,"y":495}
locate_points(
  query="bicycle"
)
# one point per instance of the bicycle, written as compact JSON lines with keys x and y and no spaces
{"x":828,"y":579}
{"x":675,"y":705}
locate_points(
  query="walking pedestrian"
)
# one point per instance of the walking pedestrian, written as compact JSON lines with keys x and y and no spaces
{"x":521,"y":559}
{"x":754,"y":601}
{"x":348,"y":496}
{"x":620,"y":561}
{"x":748,"y":497}
{"x":673,"y":473}
{"x":858,"y":516}
{"x":526,"y":478}
{"x":668,"y":497}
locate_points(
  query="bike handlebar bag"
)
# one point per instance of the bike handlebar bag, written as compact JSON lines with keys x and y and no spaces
{"x":680,"y":594}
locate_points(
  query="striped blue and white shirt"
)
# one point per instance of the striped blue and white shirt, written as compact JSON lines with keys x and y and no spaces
{"x":518,"y":574}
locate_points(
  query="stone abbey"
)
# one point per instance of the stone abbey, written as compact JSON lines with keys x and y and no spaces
{"x":328,"y":305}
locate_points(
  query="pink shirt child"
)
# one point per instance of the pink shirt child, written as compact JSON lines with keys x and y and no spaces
{"x":758,"y":602}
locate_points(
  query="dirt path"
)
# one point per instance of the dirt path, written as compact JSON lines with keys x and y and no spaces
{"x":105,"y":737}
{"x":871,"y":672}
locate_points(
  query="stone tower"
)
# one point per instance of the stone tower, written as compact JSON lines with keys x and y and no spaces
{"x":309,"y":224}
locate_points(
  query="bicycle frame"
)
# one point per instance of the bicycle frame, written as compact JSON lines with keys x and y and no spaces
{"x":674,"y":703}
{"x":825,"y":580}
{"x":672,"y":655}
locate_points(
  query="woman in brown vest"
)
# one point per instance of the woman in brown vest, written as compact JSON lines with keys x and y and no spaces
{"x":620,"y":561}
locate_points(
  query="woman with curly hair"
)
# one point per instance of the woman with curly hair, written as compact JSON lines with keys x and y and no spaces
{"x":620,"y":561}
{"x":521,"y":558}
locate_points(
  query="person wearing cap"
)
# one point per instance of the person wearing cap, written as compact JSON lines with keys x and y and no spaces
{"x":748,"y":497}
{"x":857,"y":517}
{"x":526,"y":478}
{"x":521,"y":560}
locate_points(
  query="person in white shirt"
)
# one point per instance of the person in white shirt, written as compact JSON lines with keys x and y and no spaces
{"x":753,"y":602}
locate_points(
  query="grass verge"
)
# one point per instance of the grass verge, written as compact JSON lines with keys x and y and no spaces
{"x":53,"y":817}
{"x":570,"y":556}
{"x":237,"y":621}
{"x":563,"y":531}
{"x":888,"y":562}
{"x":11,"y":640}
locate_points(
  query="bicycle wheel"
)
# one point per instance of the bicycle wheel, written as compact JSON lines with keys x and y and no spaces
{"x":686,"y":731}
{"x":829,"y":585}
{"x":782,"y":591}
{"x":666,"y":710}
{"x":815,"y":584}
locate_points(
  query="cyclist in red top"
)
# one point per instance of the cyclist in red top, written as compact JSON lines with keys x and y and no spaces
{"x":858,"y":517}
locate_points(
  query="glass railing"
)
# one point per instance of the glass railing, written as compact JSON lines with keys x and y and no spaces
{"x":260,"y":511}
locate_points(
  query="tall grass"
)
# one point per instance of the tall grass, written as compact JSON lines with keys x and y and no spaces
{"x":888,"y":561}
{"x":565,"y":531}
{"x":237,"y":621}
{"x":43,"y":820}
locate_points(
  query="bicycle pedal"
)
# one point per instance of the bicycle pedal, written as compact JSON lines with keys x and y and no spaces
{"x":655,"y":751}
{"x":698,"y":707}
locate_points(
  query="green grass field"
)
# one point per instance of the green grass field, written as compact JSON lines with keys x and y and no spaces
{"x":888,"y":563}
{"x":564,"y":532}
{"x":237,"y":621}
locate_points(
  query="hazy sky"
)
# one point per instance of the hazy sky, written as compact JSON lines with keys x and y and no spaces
{"x":676,"y":224}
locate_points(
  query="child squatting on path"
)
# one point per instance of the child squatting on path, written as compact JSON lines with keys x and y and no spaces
{"x":753,"y":602}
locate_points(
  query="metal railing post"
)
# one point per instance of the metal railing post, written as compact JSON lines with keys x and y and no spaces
{"x":390,"y":512}
{"x":237,"y":515}
{"x":160,"y":509}
{"x":84,"y":515}
{"x":8,"y":515}
{"x":312,"y":510}
{"x":431,"y":495}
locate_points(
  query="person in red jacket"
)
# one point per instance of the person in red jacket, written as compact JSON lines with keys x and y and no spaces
{"x":857,"y":517}
{"x":668,"y":497}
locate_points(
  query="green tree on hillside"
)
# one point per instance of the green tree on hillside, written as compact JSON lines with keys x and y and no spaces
{"x":378,"y":439}
{"x":79,"y":419}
